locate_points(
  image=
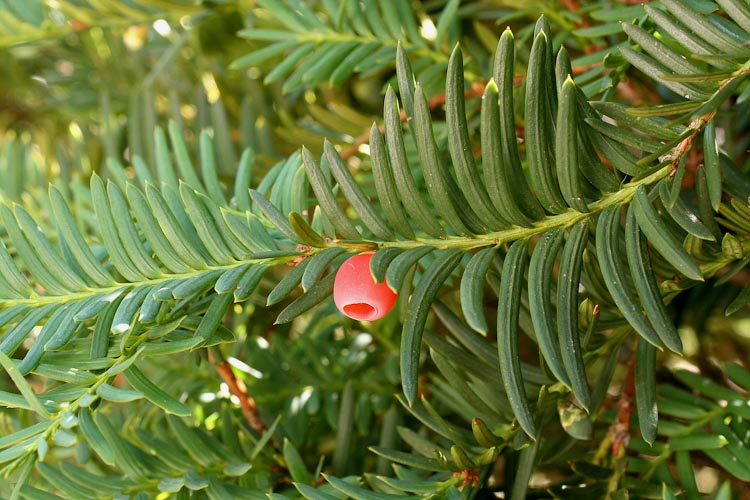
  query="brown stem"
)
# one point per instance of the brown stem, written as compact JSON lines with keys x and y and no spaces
{"x":237,"y":388}
{"x":740,"y":279}
{"x":574,"y":6}
{"x":620,"y":429}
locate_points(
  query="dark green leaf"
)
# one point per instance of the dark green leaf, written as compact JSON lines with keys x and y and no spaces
{"x":406,"y":82}
{"x":205,"y":225}
{"x":129,"y":234}
{"x":459,"y":387}
{"x":345,"y":428}
{"x":311,"y":493}
{"x":467,"y":173}
{"x":385,"y":185}
{"x":182,"y":157}
{"x":419,"y":306}
{"x":249,"y":282}
{"x":646,"y":125}
{"x":524,"y":469}
{"x":656,"y":232}
{"x":497,"y":172}
{"x":13,"y":282}
{"x":31,"y":493}
{"x":55,"y":333}
{"x":686,"y":474}
{"x":729,"y":463}
{"x":645,"y":390}
{"x":514,"y":179}
{"x":35,"y":250}
{"x":275,"y":216}
{"x":412,"y":201}
{"x":126,"y":311}
{"x":401,"y":265}
{"x":685,"y":36}
{"x":697,"y":441}
{"x":153,"y":233}
{"x":195,"y":285}
{"x":711,"y":161}
{"x":290,"y":61}
{"x":702,"y":26}
{"x":740,"y":301}
{"x":566,"y":148}
{"x":537,"y":126}
{"x":324,"y":194}
{"x":626,"y":137}
{"x":567,"y":311}
{"x":509,"y":305}
{"x":288,"y":283}
{"x":735,"y":444}
{"x":295,"y":464}
{"x":304,"y":232}
{"x":65,"y":484}
{"x":659,"y":50}
{"x":250,"y":231}
{"x":73,"y":238}
{"x":312,"y":297}
{"x":707,"y":213}
{"x":358,"y":493}
{"x":209,"y":169}
{"x":164,"y":167}
{"x":116,"y":394}
{"x":644,"y":280}
{"x":738,"y":11}
{"x":617,"y":280}
{"x":230,"y":278}
{"x":706,"y":386}
{"x":213,"y":316}
{"x":380,"y":262}
{"x":296,"y":79}
{"x":13,"y":337}
{"x":450,"y":203}
{"x":189,"y":438}
{"x":684,"y":216}
{"x":23,"y":386}
{"x":103,"y":326}
{"x":355,"y":195}
{"x":154,"y":393}
{"x":541,"y":270}
{"x":326,"y":63}
{"x":655,"y":70}
{"x":94,"y":437}
{"x":472,"y":289}
{"x":318,"y":264}
{"x":351,"y":62}
{"x":173,"y":231}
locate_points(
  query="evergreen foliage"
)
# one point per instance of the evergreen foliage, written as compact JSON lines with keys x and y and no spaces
{"x":558,"y":192}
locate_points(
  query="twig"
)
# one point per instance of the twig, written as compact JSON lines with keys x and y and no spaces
{"x":237,"y":388}
{"x":740,"y":279}
{"x":618,"y":434}
{"x":620,"y":429}
{"x":574,"y":6}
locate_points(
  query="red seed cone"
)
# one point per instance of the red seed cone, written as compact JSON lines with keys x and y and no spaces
{"x":355,"y":292}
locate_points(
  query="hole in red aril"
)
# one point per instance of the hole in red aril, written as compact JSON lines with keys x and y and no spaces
{"x":359,"y":311}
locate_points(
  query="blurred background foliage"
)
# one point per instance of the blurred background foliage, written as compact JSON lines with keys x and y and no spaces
{"x":91,"y":79}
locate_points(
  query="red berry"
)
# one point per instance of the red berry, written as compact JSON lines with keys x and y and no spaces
{"x":355,"y":292}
